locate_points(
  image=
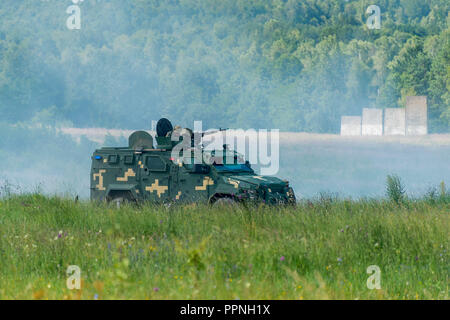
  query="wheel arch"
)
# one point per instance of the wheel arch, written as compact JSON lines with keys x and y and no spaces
{"x":126,"y":191}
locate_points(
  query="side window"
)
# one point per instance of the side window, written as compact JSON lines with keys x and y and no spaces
{"x":155,"y":164}
{"x":188,"y":163}
{"x":113,"y":159}
{"x":128,"y":159}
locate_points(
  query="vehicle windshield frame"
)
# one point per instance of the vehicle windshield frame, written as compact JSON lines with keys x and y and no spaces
{"x":222,"y":168}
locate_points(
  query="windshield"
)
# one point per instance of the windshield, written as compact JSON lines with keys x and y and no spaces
{"x":232,"y":168}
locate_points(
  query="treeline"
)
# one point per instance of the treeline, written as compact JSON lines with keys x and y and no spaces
{"x":293,"y":65}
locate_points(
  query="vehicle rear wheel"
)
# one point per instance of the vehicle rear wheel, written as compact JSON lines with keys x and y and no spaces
{"x":118,"y":199}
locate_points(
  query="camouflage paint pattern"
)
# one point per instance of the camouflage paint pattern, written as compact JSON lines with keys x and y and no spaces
{"x":151,"y":175}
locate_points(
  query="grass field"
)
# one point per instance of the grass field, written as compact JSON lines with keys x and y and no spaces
{"x":319,"y":250}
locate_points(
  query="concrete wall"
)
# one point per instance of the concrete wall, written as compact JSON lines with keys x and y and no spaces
{"x":416,"y":115}
{"x":394,"y":122}
{"x":372,"y":122}
{"x":350,"y":126}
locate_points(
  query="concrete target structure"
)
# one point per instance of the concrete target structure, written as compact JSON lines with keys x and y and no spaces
{"x":372,"y":122}
{"x":394,"y":122}
{"x":350,"y":126}
{"x":416,"y":115}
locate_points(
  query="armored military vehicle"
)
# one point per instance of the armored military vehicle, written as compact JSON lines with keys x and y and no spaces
{"x":143,"y":172}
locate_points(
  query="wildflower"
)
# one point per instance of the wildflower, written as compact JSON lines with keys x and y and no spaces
{"x":339,"y":259}
{"x":38,"y":294}
{"x":96,"y":296}
{"x":282,"y":258}
{"x":156,"y":289}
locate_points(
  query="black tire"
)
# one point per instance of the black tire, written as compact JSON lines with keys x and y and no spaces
{"x":225,"y":202}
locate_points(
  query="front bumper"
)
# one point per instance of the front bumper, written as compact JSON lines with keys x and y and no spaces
{"x":280,"y":196}
{"x":270,"y":195}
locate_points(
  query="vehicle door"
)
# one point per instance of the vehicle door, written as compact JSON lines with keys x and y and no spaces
{"x":195,"y":182}
{"x":155,"y":178}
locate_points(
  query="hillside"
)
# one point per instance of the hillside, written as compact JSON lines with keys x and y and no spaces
{"x":292,"y":65}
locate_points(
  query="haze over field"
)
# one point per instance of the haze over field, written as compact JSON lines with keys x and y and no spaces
{"x":314,"y":164}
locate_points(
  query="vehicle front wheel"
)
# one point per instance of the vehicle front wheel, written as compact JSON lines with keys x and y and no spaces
{"x":225,"y":202}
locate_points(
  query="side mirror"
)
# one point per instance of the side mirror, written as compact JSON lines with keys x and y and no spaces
{"x":201,"y":168}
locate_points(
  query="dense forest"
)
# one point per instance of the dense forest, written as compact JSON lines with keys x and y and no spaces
{"x":288,"y":64}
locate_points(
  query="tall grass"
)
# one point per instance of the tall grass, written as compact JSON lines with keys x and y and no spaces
{"x":318,"y":250}
{"x":395,"y":190}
